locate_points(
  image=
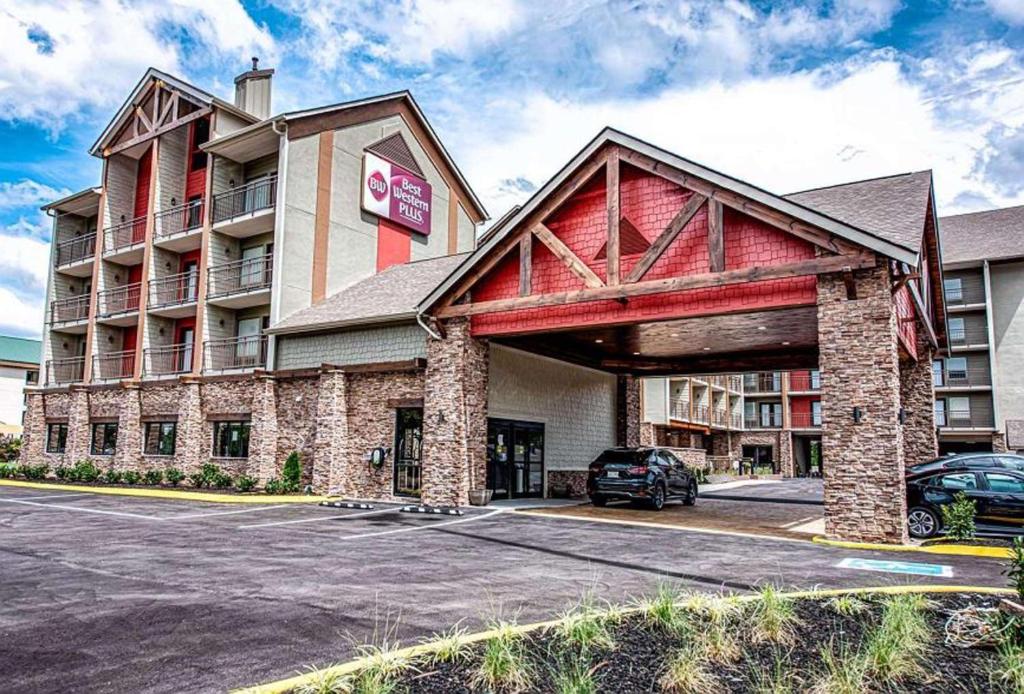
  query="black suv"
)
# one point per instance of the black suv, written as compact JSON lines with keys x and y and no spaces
{"x":650,"y":475}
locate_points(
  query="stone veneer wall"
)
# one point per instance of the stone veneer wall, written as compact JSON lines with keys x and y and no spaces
{"x":917,"y":394}
{"x":865,"y":494}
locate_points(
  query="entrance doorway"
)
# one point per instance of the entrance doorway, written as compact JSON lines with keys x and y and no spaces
{"x":515,"y":459}
{"x":408,"y":451}
{"x":760,"y":457}
{"x":807,"y":456}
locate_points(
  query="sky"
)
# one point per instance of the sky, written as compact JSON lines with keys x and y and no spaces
{"x":787,"y":95}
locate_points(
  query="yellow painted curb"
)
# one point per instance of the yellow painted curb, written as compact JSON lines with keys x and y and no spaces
{"x":161,"y":493}
{"x":954,"y":550}
{"x":289,"y":684}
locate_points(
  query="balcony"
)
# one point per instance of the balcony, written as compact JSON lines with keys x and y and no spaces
{"x":70,"y":315}
{"x":964,"y":419}
{"x":67,"y":370}
{"x":246,"y":352}
{"x":178,"y":228}
{"x":804,"y":381}
{"x":969,"y":292}
{"x":74,"y":256}
{"x":122,"y":243}
{"x":971,"y":377}
{"x":174,"y":296}
{"x":719,"y":418}
{"x":736,"y":421}
{"x":804,"y":420}
{"x":241,"y":284}
{"x":168,"y":360}
{"x":113,"y":366}
{"x":679,"y":409}
{"x":246,"y":210}
{"x":118,"y":306}
{"x":766,"y":383}
{"x":763,"y":421}
{"x":960,"y":336}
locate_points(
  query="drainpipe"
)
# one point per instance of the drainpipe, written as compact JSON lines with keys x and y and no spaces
{"x":430,"y":331}
{"x":275,"y":288}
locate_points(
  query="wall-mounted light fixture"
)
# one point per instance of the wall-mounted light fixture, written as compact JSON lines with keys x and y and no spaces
{"x":857,"y":414}
{"x":174,"y":202}
{"x":903,"y":416}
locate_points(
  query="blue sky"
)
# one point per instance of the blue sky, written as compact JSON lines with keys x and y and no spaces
{"x":788,"y":95}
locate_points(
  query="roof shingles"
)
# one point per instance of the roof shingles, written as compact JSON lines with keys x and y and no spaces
{"x":991,"y":235}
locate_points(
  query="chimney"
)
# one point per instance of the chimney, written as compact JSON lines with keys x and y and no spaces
{"x":252,"y":91}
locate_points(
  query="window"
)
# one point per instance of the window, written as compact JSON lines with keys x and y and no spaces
{"x":200,"y":135}
{"x":956,"y":369}
{"x":954,"y":288}
{"x":231,"y":439}
{"x":160,"y":438}
{"x":956,"y":330}
{"x":959,"y":409}
{"x":771,"y":414}
{"x":32,"y":377}
{"x":937,"y":377}
{"x":104,"y":438}
{"x":816,"y":413}
{"x":815,"y":379}
{"x":940,"y":413}
{"x":1004,"y":483}
{"x":959,"y":480}
{"x":56,"y":437}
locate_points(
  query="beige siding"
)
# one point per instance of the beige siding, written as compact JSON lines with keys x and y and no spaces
{"x":171,"y":168}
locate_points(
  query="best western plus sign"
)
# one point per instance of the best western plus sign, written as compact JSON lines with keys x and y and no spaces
{"x":391,"y":192}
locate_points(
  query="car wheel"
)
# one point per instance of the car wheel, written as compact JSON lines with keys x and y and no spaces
{"x":922,"y":523}
{"x":599,"y":501}
{"x":691,"y":494}
{"x":658,"y":498}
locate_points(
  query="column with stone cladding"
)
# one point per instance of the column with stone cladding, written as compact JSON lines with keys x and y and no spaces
{"x":454,"y":416}
{"x":33,"y":437}
{"x":193,"y":446}
{"x":786,"y":464}
{"x":628,"y":414}
{"x":917,"y":395}
{"x":865,"y":497}
{"x":79,"y":441}
{"x":128,"y":452}
{"x":262,"y":462}
{"x":331,"y":446}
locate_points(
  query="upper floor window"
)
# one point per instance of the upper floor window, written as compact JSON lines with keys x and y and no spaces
{"x":32,"y":377}
{"x":954,"y":287}
{"x":200,"y":136}
{"x":816,"y":412}
{"x":937,"y":374}
{"x":957,"y":332}
{"x":940,"y":413}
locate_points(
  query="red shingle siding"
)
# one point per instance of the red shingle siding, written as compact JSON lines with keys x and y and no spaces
{"x":650,"y":203}
{"x":906,"y":325}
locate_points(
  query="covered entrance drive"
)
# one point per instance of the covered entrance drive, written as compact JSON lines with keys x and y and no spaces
{"x":635,"y":262}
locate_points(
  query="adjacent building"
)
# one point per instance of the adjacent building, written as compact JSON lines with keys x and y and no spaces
{"x":19,"y":367}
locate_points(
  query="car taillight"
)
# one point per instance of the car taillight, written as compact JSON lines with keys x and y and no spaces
{"x":638,"y":470}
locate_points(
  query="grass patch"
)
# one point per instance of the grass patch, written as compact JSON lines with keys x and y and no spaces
{"x":773,"y":618}
{"x":324,"y":681}
{"x":688,"y":673}
{"x":896,"y":648}
{"x":450,"y":646}
{"x":844,"y":670}
{"x":780,"y":679}
{"x":503,"y":663}
{"x":585,"y":628}
{"x":662,"y":609}
{"x":384,"y":666}
{"x":847,"y":605}
{"x":575,"y":675}
{"x":1008,"y":674}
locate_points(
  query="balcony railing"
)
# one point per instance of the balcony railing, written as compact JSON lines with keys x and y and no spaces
{"x":236,"y":353}
{"x":971,"y":376}
{"x":964,"y":419}
{"x":114,"y":365}
{"x":805,"y":380}
{"x":179,"y":219}
{"x":72,"y":308}
{"x":252,"y":197}
{"x":970,"y":291}
{"x":968,"y":335}
{"x":679,"y":409}
{"x":804,"y":420}
{"x":75,"y":250}
{"x":735,"y":421}
{"x":719,"y":418}
{"x":762,"y":382}
{"x":240,"y":276}
{"x":168,"y":359}
{"x":764,"y":421}
{"x":124,"y":234}
{"x":67,"y":370}
{"x":119,"y":299}
{"x":174,"y":290}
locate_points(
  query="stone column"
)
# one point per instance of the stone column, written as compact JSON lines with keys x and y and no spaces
{"x":33,"y":438}
{"x":786,"y":465}
{"x":648,"y":436}
{"x":129,"y":429}
{"x":917,"y":395}
{"x":194,"y":442}
{"x":865,"y":497}
{"x":454,"y":416}
{"x":79,"y":442}
{"x":331,"y":445}
{"x":627,"y":402}
{"x":999,"y":443}
{"x":263,"y":437}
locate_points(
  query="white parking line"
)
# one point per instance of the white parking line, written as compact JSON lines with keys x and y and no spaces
{"x":316,"y":520}
{"x":81,"y":510}
{"x":419,"y":527}
{"x":51,"y":496}
{"x":188,"y":516}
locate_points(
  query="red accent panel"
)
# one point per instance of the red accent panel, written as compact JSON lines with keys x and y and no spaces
{"x":906,"y":327}
{"x":195,"y":184}
{"x":190,"y":257}
{"x":394,"y":245}
{"x":650,"y":202}
{"x":129,"y":338}
{"x":142,"y":178}
{"x":183,"y":324}
{"x":135,"y":274}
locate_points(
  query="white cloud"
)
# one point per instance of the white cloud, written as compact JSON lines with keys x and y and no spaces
{"x":26,"y":193}
{"x":23,"y":317}
{"x":24,"y":266}
{"x":1010,"y":11}
{"x":62,"y":57}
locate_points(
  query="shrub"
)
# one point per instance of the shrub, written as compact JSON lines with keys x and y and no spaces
{"x":1015,"y":571}
{"x":291,"y":473}
{"x":23,"y":471}
{"x":503,"y":663}
{"x":773,"y":618}
{"x":113,"y":476}
{"x":61,"y":472}
{"x":10,"y":448}
{"x":154,"y":477}
{"x":897,"y":647}
{"x":197,"y":479}
{"x":274,"y":486}
{"x":36,"y":472}
{"x":131,"y":477}
{"x":86,"y":471}
{"x":211,"y":474}
{"x":174,"y":476}
{"x":688,"y":672}
{"x":958,"y":518}
{"x":245,"y":483}
{"x":223,"y":480}
{"x":7,"y":471}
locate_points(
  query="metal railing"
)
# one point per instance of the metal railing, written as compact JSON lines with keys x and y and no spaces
{"x":124,"y":234}
{"x":252,"y":197}
{"x":770,"y":382}
{"x":236,"y":353}
{"x":168,"y":359}
{"x":968,"y":335}
{"x":971,"y":376}
{"x":964,"y":419}
{"x":75,"y":250}
{"x":970,"y":291}
{"x":67,"y":370}
{"x":179,"y":219}
{"x":679,"y":409}
{"x":70,"y":309}
{"x":719,"y":418}
{"x":805,"y":380}
{"x":804,"y":420}
{"x":119,"y":299}
{"x":239,"y":276}
{"x":735,"y":421}
{"x":174,"y":290}
{"x":764,"y":421}
{"x":113,"y":365}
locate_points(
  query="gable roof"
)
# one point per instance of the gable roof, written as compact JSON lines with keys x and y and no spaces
{"x":989,"y":235}
{"x":386,"y":297}
{"x":891,"y":242}
{"x":20,"y":350}
{"x":184,"y":87}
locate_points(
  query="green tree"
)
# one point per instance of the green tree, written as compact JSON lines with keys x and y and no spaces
{"x":292,"y":472}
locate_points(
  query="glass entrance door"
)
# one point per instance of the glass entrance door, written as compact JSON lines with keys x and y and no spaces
{"x":408,"y":451}
{"x":515,"y":459}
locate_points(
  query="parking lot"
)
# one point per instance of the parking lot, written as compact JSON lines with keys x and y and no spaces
{"x":105,"y":592}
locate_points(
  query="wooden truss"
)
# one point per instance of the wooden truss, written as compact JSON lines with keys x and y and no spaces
{"x":168,"y":112}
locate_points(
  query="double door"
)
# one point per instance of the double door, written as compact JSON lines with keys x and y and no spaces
{"x":515,"y":459}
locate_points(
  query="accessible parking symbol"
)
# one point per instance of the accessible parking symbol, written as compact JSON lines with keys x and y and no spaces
{"x":897,"y":567}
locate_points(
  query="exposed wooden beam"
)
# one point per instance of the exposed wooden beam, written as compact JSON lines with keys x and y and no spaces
{"x":762,"y":360}
{"x":651,"y":255}
{"x":757,"y":210}
{"x":813,"y":266}
{"x":568,"y":258}
{"x":128,"y":144}
{"x":526,"y":265}
{"x":716,"y":236}
{"x":614,"y":214}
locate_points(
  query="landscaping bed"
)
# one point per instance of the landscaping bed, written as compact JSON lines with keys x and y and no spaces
{"x":699,"y":643}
